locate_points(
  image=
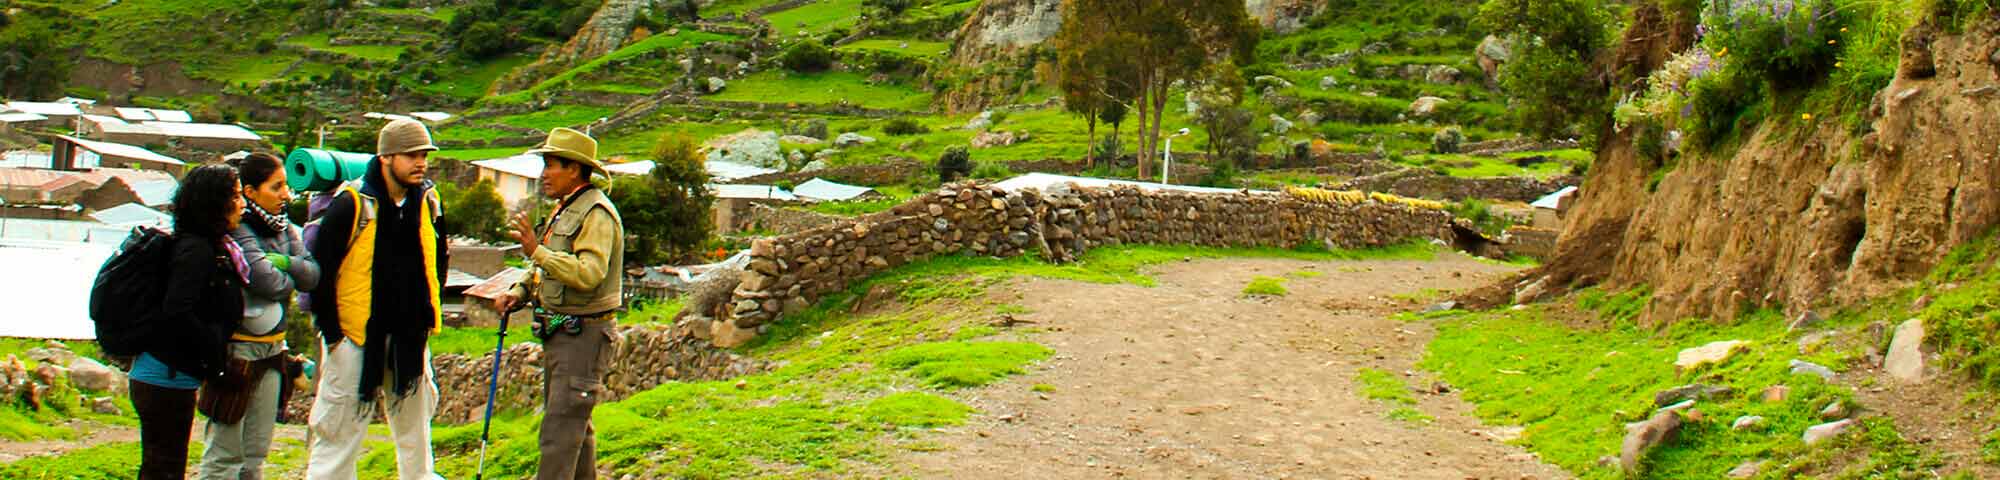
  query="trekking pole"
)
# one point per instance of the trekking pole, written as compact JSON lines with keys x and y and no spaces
{"x":492,"y":389}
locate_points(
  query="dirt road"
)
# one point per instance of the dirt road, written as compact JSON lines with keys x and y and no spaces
{"x":1190,"y":379}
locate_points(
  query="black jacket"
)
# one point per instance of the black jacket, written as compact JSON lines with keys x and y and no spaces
{"x":400,"y":313}
{"x":202,"y":305}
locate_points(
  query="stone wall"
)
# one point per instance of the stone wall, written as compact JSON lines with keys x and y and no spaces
{"x":786,"y":274}
{"x":1534,"y":242}
{"x":650,"y":355}
{"x":1423,"y":183}
{"x":890,"y":172}
{"x":780,"y":220}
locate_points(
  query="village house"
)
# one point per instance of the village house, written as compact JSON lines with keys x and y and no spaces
{"x":518,"y":179}
{"x":198,"y":136}
{"x":73,"y":153}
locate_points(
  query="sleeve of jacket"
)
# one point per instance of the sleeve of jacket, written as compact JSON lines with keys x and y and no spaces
{"x":329,"y":246}
{"x":199,"y":353}
{"x":585,"y":266}
{"x":443,"y":244}
{"x":266,"y":280}
{"x":305,"y":267}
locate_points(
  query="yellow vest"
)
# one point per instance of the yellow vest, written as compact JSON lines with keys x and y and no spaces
{"x":355,"y":285}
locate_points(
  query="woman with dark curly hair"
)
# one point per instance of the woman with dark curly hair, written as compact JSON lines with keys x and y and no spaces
{"x":202,"y":305}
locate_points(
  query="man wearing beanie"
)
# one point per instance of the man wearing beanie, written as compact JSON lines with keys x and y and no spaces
{"x":579,"y":257}
{"x":380,"y":305}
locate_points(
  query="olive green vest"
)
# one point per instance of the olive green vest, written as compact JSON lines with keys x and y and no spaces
{"x":568,"y":223}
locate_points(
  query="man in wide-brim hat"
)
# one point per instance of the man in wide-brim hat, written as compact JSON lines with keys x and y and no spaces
{"x":578,"y":288}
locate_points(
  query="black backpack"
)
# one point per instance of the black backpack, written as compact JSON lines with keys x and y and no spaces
{"x":131,"y":285}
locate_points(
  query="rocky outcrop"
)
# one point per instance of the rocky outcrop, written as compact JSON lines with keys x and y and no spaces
{"x":749,"y":147}
{"x":1004,"y":26}
{"x":1284,"y":16}
{"x":1801,"y":215}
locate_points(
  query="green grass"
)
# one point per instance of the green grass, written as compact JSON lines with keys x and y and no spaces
{"x":1409,"y":415}
{"x":572,"y":116}
{"x":920,"y":48}
{"x":724,"y":7}
{"x":467,"y":133}
{"x":687,"y":38}
{"x":1573,"y":388}
{"x":781,"y":87}
{"x":814,"y":18}
{"x":321,"y":41}
{"x":1265,"y":286}
{"x":475,"y":341}
{"x":1383,"y":386}
{"x":471,"y":81}
{"x":441,"y":14}
{"x":1468,"y":166}
{"x":1306,"y":274}
{"x":960,"y":364}
{"x":110,"y":461}
{"x":247,"y":68}
{"x":1043,"y":388}
{"x":475,"y":154}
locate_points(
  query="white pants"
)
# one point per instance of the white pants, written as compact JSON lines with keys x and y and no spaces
{"x":340,"y":422}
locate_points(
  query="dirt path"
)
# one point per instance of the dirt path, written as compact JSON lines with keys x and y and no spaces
{"x":1190,"y":380}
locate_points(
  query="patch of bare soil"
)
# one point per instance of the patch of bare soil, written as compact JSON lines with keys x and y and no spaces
{"x":1941,"y":415}
{"x":1190,"y":379}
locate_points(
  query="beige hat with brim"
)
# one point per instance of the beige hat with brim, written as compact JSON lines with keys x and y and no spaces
{"x":404,"y":136}
{"x":573,"y":145}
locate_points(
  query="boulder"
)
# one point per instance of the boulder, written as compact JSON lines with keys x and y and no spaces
{"x":1906,"y":352}
{"x":1689,"y":392}
{"x":814,"y":166}
{"x":825,"y":155}
{"x":1442,"y":74}
{"x":1802,"y":367}
{"x":716,"y":84}
{"x":851,"y":139}
{"x":1748,"y":469}
{"x":1280,"y":125}
{"x":1328,"y":82}
{"x":53,"y":355}
{"x":1826,"y":431}
{"x":104,"y":405}
{"x":1746,"y":422}
{"x":1426,"y":106}
{"x":1641,"y":437}
{"x":1491,"y":53}
{"x":750,"y":147}
{"x":1712,"y":353}
{"x":1776,"y":393}
{"x":995,"y":139}
{"x":1310,"y":118}
{"x":796,"y":157}
{"x":1806,"y":319}
{"x":1271,"y":81}
{"x":801,"y":140}
{"x":89,"y":375}
{"x":1834,"y":411}
{"x":981,"y":121}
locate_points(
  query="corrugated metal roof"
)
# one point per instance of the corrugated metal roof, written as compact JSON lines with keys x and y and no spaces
{"x":122,"y":150}
{"x":752,"y":192}
{"x":641,"y":167}
{"x":25,"y":158}
{"x":1554,"y":200}
{"x":155,"y":193}
{"x":132,"y":215}
{"x":725,"y":171}
{"x":28,"y":177}
{"x":820,"y":189}
{"x":523,"y":165}
{"x":76,"y":101}
{"x":46,"y":108}
{"x":35,"y":230}
{"x":18,"y":117}
{"x":455,"y":278}
{"x":432,"y":117}
{"x":134,"y":114}
{"x":204,"y":130}
{"x":172,"y":116}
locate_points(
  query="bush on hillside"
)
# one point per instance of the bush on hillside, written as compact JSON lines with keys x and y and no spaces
{"x":666,"y":212}
{"x":891,"y":7}
{"x":1447,"y":140}
{"x":807,"y":56}
{"x":904,"y":126}
{"x":1789,"y":43}
{"x":484,"y":40}
{"x":1551,"y":80}
{"x":953,"y":164}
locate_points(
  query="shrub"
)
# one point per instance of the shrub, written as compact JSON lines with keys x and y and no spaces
{"x":892,"y":7}
{"x":1719,"y":104}
{"x":807,"y":56}
{"x":992,"y":171}
{"x":953,"y":164}
{"x":904,"y":126}
{"x":1447,"y":140}
{"x":1790,"y":43}
{"x":484,"y":40}
{"x":811,"y":127}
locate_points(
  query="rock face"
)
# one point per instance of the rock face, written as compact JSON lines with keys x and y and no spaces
{"x":750,"y":147}
{"x":1711,"y":353}
{"x":1906,"y":352}
{"x":1829,"y":216}
{"x":1283,"y":16}
{"x":1060,"y":223}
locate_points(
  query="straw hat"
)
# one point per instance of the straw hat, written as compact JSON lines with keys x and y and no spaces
{"x":404,"y":136}
{"x":573,"y":145}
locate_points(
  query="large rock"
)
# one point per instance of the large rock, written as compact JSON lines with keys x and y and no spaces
{"x":1906,"y":352}
{"x":1426,"y":106}
{"x":1712,"y":353}
{"x":1328,"y":82}
{"x":980,"y":122}
{"x":1689,"y":392}
{"x":89,"y":375}
{"x":1271,"y":81}
{"x":1491,"y":53}
{"x":716,"y":84}
{"x":1442,"y":74}
{"x":1802,"y":367}
{"x":994,"y":139}
{"x":1283,"y":16}
{"x":851,"y":139}
{"x":1826,"y":431}
{"x":750,"y":147}
{"x":1310,"y":118}
{"x":1280,"y":125}
{"x":1641,"y":437}
{"x":1748,"y":469}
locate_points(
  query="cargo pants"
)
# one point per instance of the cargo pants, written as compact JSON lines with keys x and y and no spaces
{"x":573,"y":369}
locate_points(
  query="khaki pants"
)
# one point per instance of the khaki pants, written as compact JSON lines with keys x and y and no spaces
{"x":573,"y":366}
{"x":340,"y":422}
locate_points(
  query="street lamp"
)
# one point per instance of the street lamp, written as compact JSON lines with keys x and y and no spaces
{"x":322,"y":133}
{"x":1169,"y":154}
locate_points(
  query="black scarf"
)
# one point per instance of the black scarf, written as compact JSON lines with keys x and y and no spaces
{"x":401,"y":314}
{"x":265,"y":224}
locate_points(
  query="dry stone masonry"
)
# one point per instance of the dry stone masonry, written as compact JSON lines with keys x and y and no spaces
{"x":649,"y":355}
{"x":786,"y":274}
